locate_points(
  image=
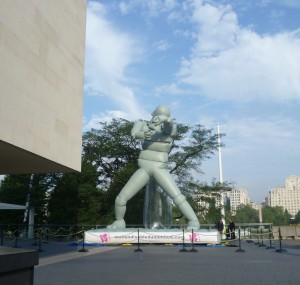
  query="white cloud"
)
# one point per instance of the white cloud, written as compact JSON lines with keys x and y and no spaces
{"x":228,"y":62}
{"x":162,"y":45}
{"x":107,"y":116}
{"x":109,"y":53}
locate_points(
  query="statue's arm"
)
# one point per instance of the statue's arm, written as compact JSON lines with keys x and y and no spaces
{"x":137,"y":131}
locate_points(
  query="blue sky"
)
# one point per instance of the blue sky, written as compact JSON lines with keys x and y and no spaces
{"x":233,"y":62}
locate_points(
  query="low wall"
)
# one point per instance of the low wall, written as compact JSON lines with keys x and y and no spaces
{"x":17,"y":266}
{"x":287,"y":232}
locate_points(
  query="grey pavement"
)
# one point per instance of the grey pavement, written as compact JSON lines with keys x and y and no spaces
{"x":166,"y":265}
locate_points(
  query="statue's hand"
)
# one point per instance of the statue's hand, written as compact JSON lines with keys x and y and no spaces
{"x":147,"y":135}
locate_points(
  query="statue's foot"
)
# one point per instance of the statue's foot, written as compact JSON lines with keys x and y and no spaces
{"x":117,"y":225}
{"x":193,"y":225}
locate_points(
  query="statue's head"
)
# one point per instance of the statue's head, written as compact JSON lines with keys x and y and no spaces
{"x":161,"y":110}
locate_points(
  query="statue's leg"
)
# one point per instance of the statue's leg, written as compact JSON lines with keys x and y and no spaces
{"x":167,"y":183}
{"x":136,"y":182}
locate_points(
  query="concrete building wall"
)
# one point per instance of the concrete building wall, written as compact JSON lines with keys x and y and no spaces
{"x":42,"y":66}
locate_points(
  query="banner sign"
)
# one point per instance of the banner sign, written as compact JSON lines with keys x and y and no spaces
{"x":105,"y":236}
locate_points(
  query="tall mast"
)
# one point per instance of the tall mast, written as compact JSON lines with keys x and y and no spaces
{"x":221,"y":174}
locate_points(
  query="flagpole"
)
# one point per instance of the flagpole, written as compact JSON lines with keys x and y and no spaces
{"x":221,"y":174}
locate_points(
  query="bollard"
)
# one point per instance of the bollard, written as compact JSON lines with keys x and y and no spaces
{"x":270,"y":239}
{"x":280,"y":247}
{"x":262,"y":239}
{"x":193,"y":248}
{"x":83,"y":243}
{"x":138,"y":249}
{"x":240,"y":247}
{"x":183,"y":245}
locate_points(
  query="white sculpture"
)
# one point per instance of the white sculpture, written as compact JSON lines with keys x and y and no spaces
{"x":157,"y":137}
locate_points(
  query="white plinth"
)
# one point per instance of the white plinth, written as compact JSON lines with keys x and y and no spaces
{"x":156,"y":236}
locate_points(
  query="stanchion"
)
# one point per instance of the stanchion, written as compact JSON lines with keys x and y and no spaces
{"x":250,"y":236}
{"x":270,"y":239}
{"x":47,"y":236}
{"x":280,"y":247}
{"x":240,"y":247}
{"x":16,"y":239}
{"x":40,"y":240}
{"x":138,"y":249}
{"x":262,"y":239}
{"x":83,"y":242}
{"x":2,"y":235}
{"x":183,"y":244}
{"x":257,"y":243}
{"x":35,"y":234}
{"x":193,"y":247}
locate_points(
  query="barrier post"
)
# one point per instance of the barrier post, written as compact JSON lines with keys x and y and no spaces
{"x":262,"y":239}
{"x":280,"y":247}
{"x":35,"y":234}
{"x":193,"y":248}
{"x":257,"y":235}
{"x":270,"y":239}
{"x":40,"y":238}
{"x":83,"y":242}
{"x":183,"y":245}
{"x":138,"y":249}
{"x":16,"y":239}
{"x":240,"y":247}
{"x":250,"y":236}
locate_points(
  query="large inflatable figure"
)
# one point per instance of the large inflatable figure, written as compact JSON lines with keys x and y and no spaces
{"x":157,"y":137}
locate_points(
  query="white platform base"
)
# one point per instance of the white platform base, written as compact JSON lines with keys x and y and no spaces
{"x":156,"y":236}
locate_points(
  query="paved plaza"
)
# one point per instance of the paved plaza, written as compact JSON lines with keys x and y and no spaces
{"x":166,"y":265}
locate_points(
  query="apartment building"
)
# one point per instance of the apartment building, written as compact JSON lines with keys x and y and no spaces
{"x":288,"y":196}
{"x":237,"y":197}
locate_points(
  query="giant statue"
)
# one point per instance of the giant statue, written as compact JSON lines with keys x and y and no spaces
{"x":156,"y":136}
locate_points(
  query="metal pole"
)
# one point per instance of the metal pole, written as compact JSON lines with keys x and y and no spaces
{"x":262,"y":239}
{"x":193,"y":248}
{"x":138,"y":249}
{"x":240,"y":247}
{"x":183,"y":245}
{"x":83,"y":242}
{"x":270,"y":239}
{"x":280,"y":247}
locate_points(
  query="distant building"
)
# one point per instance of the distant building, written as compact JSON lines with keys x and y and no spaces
{"x":288,"y":196}
{"x":238,"y":197}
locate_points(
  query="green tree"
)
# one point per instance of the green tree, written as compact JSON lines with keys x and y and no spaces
{"x":246,"y":214}
{"x":209,"y":212}
{"x":297,"y":218}
{"x":16,"y":189}
{"x":275,"y":215}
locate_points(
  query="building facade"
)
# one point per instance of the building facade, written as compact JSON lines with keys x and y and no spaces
{"x":288,"y":196}
{"x":42,"y":75}
{"x":237,"y":197}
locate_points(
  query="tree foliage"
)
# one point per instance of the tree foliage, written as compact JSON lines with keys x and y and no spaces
{"x":246,"y":214}
{"x":275,"y":215}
